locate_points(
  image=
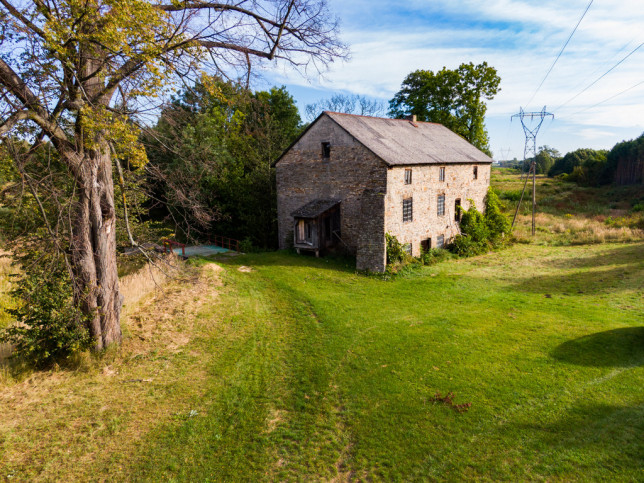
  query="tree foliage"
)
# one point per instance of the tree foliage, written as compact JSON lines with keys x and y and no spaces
{"x":79,"y":74}
{"x":625,"y":162}
{"x":454,"y":98}
{"x":546,"y":158}
{"x":584,"y":166}
{"x":211,"y":157}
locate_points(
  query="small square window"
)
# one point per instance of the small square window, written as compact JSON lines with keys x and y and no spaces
{"x":408,"y":176}
{"x":476,"y":172}
{"x":441,"y":174}
{"x":441,"y":205}
{"x":440,"y":241}
{"x":326,"y":150}
{"x":408,"y":214}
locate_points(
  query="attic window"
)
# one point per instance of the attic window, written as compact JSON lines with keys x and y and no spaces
{"x":441,"y":173}
{"x":476,"y":172}
{"x":326,"y":150}
{"x":408,"y":176}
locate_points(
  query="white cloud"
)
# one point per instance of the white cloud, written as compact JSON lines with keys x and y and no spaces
{"x":519,"y":38}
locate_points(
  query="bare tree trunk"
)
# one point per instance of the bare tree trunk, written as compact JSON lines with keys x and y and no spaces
{"x":94,"y":250}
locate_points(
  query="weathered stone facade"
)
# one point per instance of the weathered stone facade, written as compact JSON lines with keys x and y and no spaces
{"x":371,"y":190}
{"x":351,"y":174}
{"x":426,"y":223}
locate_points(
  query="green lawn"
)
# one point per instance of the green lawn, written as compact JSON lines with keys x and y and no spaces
{"x":318,"y":373}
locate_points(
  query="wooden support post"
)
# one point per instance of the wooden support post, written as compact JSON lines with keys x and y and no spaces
{"x":534,"y":195}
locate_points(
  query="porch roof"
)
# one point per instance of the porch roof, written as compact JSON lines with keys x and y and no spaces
{"x":315,"y":208}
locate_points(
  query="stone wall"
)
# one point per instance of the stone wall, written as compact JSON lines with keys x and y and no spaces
{"x":424,"y":190}
{"x":351,"y":174}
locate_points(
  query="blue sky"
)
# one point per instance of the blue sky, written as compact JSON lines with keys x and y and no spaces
{"x":521,"y":39}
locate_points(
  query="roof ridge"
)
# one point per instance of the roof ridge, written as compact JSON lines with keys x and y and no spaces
{"x":381,"y":118}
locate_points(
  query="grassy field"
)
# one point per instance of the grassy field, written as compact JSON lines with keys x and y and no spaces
{"x":292,"y":368}
{"x":278,"y":367}
{"x":568,"y":214}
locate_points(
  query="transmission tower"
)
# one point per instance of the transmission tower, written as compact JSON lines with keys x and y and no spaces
{"x":530,"y":148}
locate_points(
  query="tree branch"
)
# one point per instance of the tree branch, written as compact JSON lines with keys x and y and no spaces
{"x":14,"y":11}
{"x":13,"y":120}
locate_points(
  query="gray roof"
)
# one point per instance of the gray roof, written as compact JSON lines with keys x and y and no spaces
{"x":401,"y":142}
{"x":314,"y":208}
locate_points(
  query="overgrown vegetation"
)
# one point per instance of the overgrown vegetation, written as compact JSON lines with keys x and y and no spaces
{"x":482,"y":232}
{"x":400,"y":261}
{"x":48,"y":327}
{"x":211,"y":156}
{"x":569,"y":214}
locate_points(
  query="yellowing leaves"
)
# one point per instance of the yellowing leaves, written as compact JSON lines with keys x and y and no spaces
{"x":123,"y":135}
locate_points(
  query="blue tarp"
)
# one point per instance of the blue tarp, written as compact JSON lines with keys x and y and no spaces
{"x":201,"y":250}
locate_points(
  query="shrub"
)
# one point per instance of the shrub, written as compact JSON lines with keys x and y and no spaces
{"x":396,"y":252}
{"x":49,"y":328}
{"x":497,"y":223}
{"x":481,"y":232}
{"x":434,"y":255}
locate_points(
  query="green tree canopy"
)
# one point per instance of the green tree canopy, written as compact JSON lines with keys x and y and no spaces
{"x":546,"y":158}
{"x":454,"y":98}
{"x":211,"y":157}
{"x":625,"y":162}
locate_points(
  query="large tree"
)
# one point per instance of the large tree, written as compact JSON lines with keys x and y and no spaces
{"x":211,"y":159}
{"x":454,"y":98}
{"x":74,"y":73}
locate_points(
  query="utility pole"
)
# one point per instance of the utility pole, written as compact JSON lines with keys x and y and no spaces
{"x":530,"y":148}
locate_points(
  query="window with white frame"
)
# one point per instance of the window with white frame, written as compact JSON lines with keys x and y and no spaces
{"x":441,"y":173}
{"x":408,"y":176}
{"x":441,"y":205}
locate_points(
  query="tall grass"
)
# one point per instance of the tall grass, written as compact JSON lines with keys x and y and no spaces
{"x":568,"y":214}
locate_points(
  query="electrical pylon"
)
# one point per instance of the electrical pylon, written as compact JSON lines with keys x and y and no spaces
{"x":530,"y":148}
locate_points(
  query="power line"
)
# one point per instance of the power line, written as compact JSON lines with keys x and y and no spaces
{"x":561,"y":51}
{"x":600,"y":77}
{"x":605,"y":100}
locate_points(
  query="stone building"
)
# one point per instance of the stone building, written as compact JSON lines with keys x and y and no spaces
{"x":348,"y":180}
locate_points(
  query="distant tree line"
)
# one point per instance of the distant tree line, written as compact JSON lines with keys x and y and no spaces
{"x":623,"y":164}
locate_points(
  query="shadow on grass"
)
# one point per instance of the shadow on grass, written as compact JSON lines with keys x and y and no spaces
{"x":589,"y":283}
{"x":607,"y":433}
{"x":613,"y":348}
{"x":628,"y":254}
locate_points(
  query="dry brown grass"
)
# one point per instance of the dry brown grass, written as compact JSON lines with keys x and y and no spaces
{"x":67,"y":423}
{"x":568,"y":230}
